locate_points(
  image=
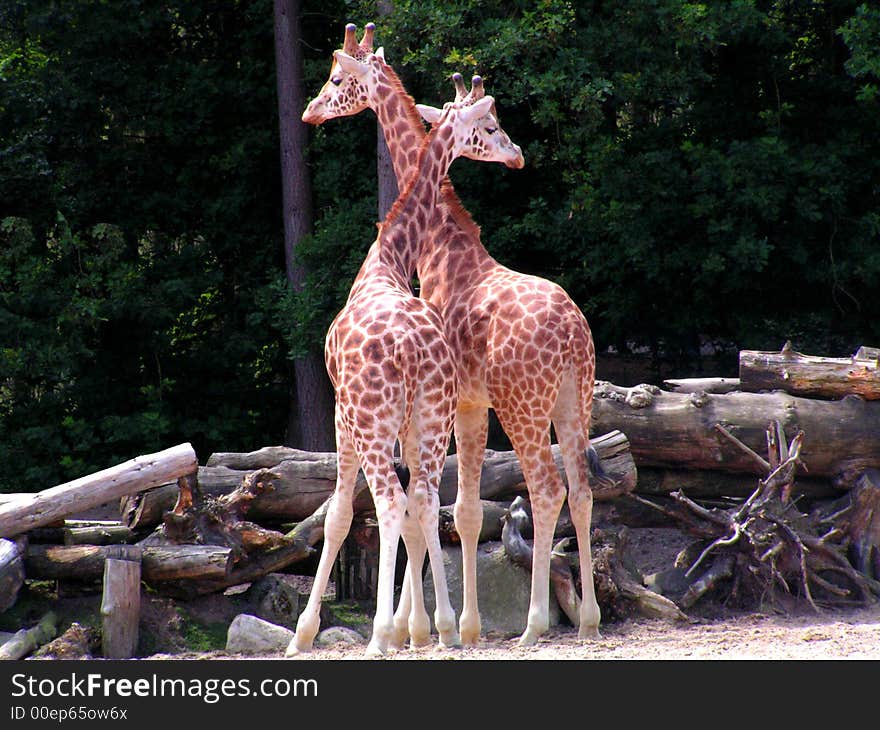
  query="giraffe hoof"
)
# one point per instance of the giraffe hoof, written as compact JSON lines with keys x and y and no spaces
{"x":419,"y":642}
{"x":375,"y":651}
{"x":294,"y":650}
{"x":529,"y":638}
{"x":452,"y":642}
{"x":589,"y":633}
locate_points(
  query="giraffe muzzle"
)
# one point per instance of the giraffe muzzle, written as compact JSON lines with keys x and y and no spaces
{"x":518,"y":162}
{"x":314,"y":113}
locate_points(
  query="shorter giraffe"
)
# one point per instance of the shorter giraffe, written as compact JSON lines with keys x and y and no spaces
{"x":394,"y":376}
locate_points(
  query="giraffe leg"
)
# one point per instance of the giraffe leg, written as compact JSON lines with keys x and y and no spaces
{"x":580,"y":502}
{"x":401,"y":616}
{"x":336,"y":526}
{"x":444,"y":615}
{"x":390,"y":501}
{"x":546,"y":493}
{"x":471,"y":428}
{"x":411,"y":618}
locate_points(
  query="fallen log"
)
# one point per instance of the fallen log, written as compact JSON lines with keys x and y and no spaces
{"x":702,"y":385}
{"x":11,"y":571}
{"x":304,"y":480}
{"x":809,"y":375}
{"x":677,"y":430}
{"x":161,"y":563}
{"x":97,"y":535}
{"x":26,"y":641}
{"x":49,"y":505}
{"x":714,"y":484}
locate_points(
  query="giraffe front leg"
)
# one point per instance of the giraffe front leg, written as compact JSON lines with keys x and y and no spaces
{"x":471,"y":428}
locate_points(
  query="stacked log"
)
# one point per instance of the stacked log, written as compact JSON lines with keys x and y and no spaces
{"x":304,"y":480}
{"x":699,"y":442}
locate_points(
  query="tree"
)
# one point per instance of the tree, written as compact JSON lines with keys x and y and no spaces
{"x":311,"y":428}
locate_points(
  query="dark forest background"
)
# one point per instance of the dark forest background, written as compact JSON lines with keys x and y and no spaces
{"x":701,"y":177}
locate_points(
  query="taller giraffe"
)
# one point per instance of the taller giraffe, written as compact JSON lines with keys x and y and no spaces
{"x":392,"y":370}
{"x":520,"y":344}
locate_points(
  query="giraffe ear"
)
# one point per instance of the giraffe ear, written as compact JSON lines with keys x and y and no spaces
{"x":380,"y":52}
{"x":478,"y":109}
{"x":430,"y":114}
{"x":349,"y":64}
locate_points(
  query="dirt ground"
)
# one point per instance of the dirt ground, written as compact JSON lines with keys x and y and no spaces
{"x":713,"y":632}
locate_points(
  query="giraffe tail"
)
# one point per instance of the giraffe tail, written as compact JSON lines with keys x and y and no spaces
{"x":583,"y":358}
{"x":598,"y":475}
{"x":406,"y":359}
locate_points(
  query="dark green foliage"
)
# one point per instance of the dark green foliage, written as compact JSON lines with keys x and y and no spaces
{"x":696,"y":173}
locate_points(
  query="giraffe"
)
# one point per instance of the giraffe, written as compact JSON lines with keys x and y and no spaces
{"x":391,"y":366}
{"x":520,"y":344}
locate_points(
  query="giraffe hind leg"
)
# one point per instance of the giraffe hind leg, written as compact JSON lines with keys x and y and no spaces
{"x":336,"y":526}
{"x":580,"y":503}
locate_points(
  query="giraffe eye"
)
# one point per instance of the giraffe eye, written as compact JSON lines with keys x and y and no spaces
{"x":491,"y":130}
{"x":336,"y":80}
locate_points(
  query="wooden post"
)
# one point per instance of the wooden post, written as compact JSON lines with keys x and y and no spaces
{"x":121,"y":602}
{"x":50,"y":505}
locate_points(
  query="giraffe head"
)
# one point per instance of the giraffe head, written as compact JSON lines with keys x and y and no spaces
{"x":474,"y":124}
{"x":354,"y":73}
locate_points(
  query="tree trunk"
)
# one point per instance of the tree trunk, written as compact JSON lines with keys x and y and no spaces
{"x":305,"y":479}
{"x":50,"y":505}
{"x":807,"y":375}
{"x":388,"y":184}
{"x":313,"y":401}
{"x":678,"y":430}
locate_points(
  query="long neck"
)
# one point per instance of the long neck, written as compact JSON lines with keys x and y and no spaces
{"x":401,"y":124}
{"x":404,"y":131}
{"x":407,"y":227}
